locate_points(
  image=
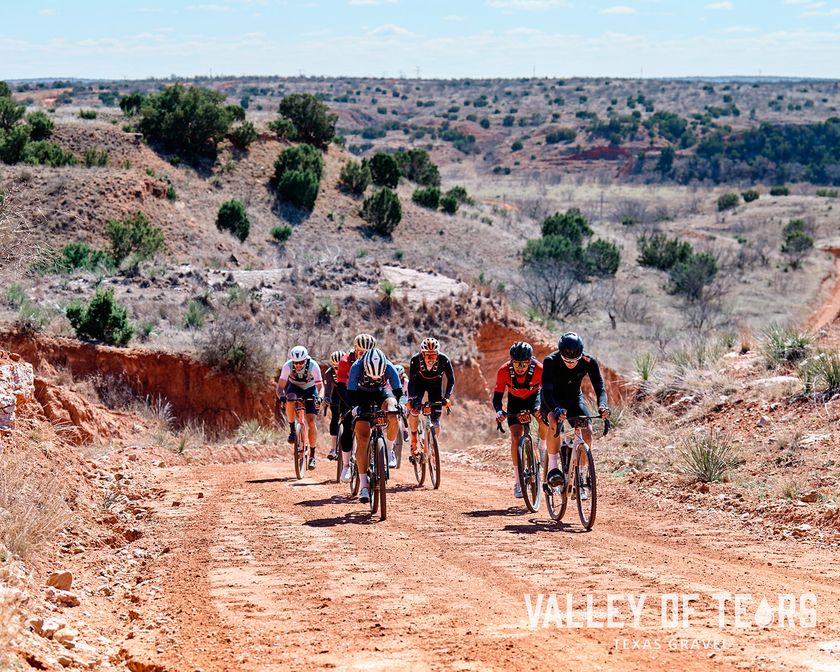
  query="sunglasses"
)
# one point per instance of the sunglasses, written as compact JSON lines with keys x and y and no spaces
{"x":570,"y":361}
{"x":520,"y":365}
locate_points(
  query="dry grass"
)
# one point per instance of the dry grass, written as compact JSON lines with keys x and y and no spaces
{"x":251,"y":431}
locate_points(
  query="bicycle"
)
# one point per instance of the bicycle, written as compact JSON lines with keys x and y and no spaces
{"x":578,"y":469}
{"x":528,"y":464}
{"x":301,"y":438}
{"x":377,"y":470}
{"x":428,"y":453}
{"x":402,"y":436}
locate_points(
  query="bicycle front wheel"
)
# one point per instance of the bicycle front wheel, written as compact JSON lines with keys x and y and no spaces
{"x":300,"y":453}
{"x":373,"y":477}
{"x":434,"y":459}
{"x":339,"y":460}
{"x":420,"y":461}
{"x":586,"y":487}
{"x":528,"y":472}
{"x":381,"y":474}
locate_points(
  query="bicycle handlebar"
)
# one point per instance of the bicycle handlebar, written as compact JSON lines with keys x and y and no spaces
{"x":607,"y":423}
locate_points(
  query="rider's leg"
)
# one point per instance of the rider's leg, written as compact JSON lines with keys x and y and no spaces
{"x":362,"y":438}
{"x":313,"y":430}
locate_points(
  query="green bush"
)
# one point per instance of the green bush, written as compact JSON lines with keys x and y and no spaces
{"x":417,"y":166}
{"x":355,"y":177}
{"x":728,"y":201}
{"x":709,"y":455}
{"x":658,"y":251}
{"x":171,"y":194}
{"x":189,"y":122}
{"x":779,"y":191}
{"x":571,"y":225}
{"x":87,"y":114}
{"x":312,"y":119}
{"x":40,"y":124}
{"x":822,"y":373}
{"x":13,"y":143}
{"x":132,"y":103}
{"x":243,"y":135}
{"x":427,"y":197}
{"x":135,"y":235}
{"x":101,"y":319}
{"x":781,"y":345}
{"x":300,"y":157}
{"x":79,"y":256}
{"x":10,"y":112}
{"x":5,"y":90}
{"x":233,"y":218}
{"x":565,"y":135}
{"x":516,"y":146}
{"x":603,"y":258}
{"x":384,"y":170}
{"x":298,"y":187}
{"x":750,"y":196}
{"x":382,"y":211}
{"x":47,"y":153}
{"x":196,"y":314}
{"x":95,"y":158}
{"x":460,"y":194}
{"x":828,"y":193}
{"x":690,"y":277}
{"x":283,"y":128}
{"x":281,"y":233}
{"x":449,"y":204}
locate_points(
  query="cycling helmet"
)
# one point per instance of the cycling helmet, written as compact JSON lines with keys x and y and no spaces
{"x":375,"y":363}
{"x":430,"y":345}
{"x":521,"y":351}
{"x":298,"y":354}
{"x":364,"y":342}
{"x":336,"y":356}
{"x":570,"y":346}
{"x":400,"y":369}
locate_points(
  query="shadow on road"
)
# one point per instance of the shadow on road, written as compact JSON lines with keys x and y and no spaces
{"x":489,"y":513}
{"x":535,"y":526}
{"x":349,"y":518}
{"x":258,"y":481}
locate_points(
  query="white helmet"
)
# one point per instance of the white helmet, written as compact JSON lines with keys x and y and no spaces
{"x":375,"y":363}
{"x":430,"y":345}
{"x":336,"y":356}
{"x":364,"y":342}
{"x":400,"y":369}
{"x":298,"y":354}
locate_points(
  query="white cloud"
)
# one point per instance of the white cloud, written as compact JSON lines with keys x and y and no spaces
{"x":372,"y":2}
{"x":524,"y":31}
{"x":797,"y":2}
{"x":618,"y":9}
{"x":526,"y":4}
{"x":738,"y":29}
{"x":390,"y":30}
{"x":720,"y":5}
{"x":215,"y":9}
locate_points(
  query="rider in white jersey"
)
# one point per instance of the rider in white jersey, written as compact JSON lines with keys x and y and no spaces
{"x":300,"y":378}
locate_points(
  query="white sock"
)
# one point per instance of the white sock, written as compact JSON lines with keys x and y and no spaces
{"x":389,"y":444}
{"x":363,"y":480}
{"x":553,"y":461}
{"x":345,"y":458}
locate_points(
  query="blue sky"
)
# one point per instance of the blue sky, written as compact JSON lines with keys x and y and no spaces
{"x":455,"y":38}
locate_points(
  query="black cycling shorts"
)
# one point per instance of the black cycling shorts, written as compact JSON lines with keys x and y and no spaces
{"x":294,"y":392}
{"x":517,"y":404}
{"x":433,"y":389}
{"x":364,"y":400}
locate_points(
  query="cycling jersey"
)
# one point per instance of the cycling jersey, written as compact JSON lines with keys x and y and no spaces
{"x":561,"y":385}
{"x":521,"y":387}
{"x":329,"y":385}
{"x":359,"y":383}
{"x":422,"y":378}
{"x":309,"y":377}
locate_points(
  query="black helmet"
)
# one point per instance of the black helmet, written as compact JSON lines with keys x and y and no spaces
{"x":570,"y":346}
{"x":521,"y":351}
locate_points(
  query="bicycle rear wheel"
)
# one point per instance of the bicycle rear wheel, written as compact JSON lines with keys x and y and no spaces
{"x":339,"y":460}
{"x":586,"y":487}
{"x":527,"y":470}
{"x":420,"y":460}
{"x":381,"y":475}
{"x":434,"y":459}
{"x":300,"y":453}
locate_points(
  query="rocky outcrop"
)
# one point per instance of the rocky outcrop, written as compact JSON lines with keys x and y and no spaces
{"x":16,"y":387}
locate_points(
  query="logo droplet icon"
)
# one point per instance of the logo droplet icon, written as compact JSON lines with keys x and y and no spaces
{"x":764,"y":614}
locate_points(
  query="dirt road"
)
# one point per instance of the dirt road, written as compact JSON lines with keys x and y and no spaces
{"x":263,"y":572}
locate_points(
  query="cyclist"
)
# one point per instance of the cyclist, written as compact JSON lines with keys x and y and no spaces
{"x":521,"y":376}
{"x":332,"y":400}
{"x":361,"y":344}
{"x":367,"y":386}
{"x":563,"y":373}
{"x":425,"y":376}
{"x":300,"y":378}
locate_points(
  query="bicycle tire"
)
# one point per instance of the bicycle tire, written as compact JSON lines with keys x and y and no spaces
{"x":420,"y":460}
{"x":373,"y":477}
{"x":339,"y":460}
{"x":299,"y":456}
{"x":434,"y":460}
{"x":527,"y":471}
{"x":585,"y":478}
{"x":381,"y":475}
{"x":398,"y":445}
{"x":354,"y":477}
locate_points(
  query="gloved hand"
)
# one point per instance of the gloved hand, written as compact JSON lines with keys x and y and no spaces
{"x":447,"y":403}
{"x":559,"y":414}
{"x":355,"y":411}
{"x":500,"y":415}
{"x":604,"y":411}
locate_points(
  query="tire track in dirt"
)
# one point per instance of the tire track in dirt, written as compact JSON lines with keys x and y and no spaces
{"x":268,"y":573}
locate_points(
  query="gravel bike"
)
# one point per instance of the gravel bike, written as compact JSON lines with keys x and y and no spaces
{"x":377,"y":470}
{"x":529,"y":468}
{"x":428,"y":451}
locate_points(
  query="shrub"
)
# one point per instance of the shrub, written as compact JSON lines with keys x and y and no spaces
{"x":78,"y":256}
{"x":171,"y":194}
{"x":384,"y":170}
{"x":658,"y":251}
{"x":312,"y":119}
{"x":233,"y":218}
{"x":781,"y":345}
{"x":13,"y":143}
{"x":10,"y":112}
{"x":132,"y":103}
{"x":827,"y":193}
{"x":728,"y":201}
{"x":101,"y":319}
{"x":449,"y":203}
{"x":40,"y":124}
{"x":87,"y":114}
{"x":603,"y":257}
{"x":821,"y":372}
{"x":709,"y":456}
{"x":571,"y":225}
{"x":516,"y":146}
{"x":427,"y":197}
{"x":300,"y":157}
{"x":750,"y":196}
{"x":690,"y":277}
{"x":415,"y":165}
{"x":196,"y":314}
{"x":298,"y":187}
{"x":135,"y":235}
{"x":95,"y":158}
{"x":779,"y":191}
{"x":187,"y":121}
{"x":460,"y":194}
{"x":243,"y":135}
{"x":283,"y":128}
{"x":281,"y":233}
{"x":565,"y":135}
{"x":233,"y":345}
{"x":47,"y":154}
{"x":382,"y":211}
{"x":355,"y":177}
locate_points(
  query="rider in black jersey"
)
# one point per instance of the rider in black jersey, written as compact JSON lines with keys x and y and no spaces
{"x":425,"y":376}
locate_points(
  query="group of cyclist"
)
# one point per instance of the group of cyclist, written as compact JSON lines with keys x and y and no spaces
{"x":364,"y":379}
